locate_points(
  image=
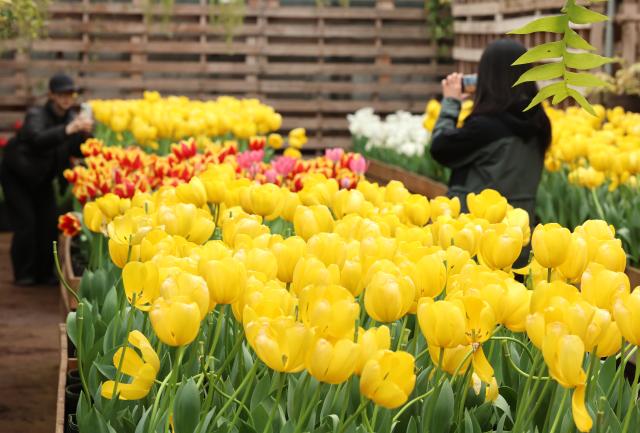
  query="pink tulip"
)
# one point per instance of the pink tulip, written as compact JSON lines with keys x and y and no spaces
{"x":334,"y":154}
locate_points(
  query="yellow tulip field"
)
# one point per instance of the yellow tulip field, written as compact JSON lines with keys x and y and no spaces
{"x":226,"y":302}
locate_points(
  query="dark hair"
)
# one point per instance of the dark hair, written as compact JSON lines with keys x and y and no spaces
{"x":495,"y":93}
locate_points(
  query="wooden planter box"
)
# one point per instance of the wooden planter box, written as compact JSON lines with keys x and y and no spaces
{"x":67,"y":302}
{"x":66,"y":364}
{"x":383,"y":173}
{"x":634,"y":276}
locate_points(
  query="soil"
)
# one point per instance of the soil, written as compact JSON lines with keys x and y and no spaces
{"x":29,"y":352}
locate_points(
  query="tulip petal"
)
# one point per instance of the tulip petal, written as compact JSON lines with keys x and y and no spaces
{"x":580,"y":414}
{"x":131,"y":364}
{"x":481,"y":366}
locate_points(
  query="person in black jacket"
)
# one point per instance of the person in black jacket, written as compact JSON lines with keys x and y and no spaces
{"x":500,"y":146}
{"x":38,"y":153}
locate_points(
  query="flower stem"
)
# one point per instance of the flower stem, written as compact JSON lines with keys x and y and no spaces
{"x":596,"y":201}
{"x":560,"y":413}
{"x":353,"y":416}
{"x":64,"y":282}
{"x":399,"y":342}
{"x":307,"y":411}
{"x":244,"y":382}
{"x":172,"y":386}
{"x":272,"y":413}
{"x":80,"y":348}
{"x":124,"y":347}
{"x":634,"y":395}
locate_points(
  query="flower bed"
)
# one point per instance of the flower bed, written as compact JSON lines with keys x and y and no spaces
{"x":332,"y":310}
{"x":591,"y":168}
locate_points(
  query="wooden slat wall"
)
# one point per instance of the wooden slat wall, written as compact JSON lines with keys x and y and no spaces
{"x":477,"y":23}
{"x":628,"y":41}
{"x":314,"y":65}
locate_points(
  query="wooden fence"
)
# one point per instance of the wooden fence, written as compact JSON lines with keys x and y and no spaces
{"x":313,"y":64}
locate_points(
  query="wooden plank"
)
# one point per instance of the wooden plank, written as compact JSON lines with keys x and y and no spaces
{"x":351,"y":87}
{"x":97,"y":27}
{"x":478,"y":9}
{"x":349,"y":50}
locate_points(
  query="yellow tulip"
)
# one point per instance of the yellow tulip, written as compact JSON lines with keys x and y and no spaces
{"x":330,"y":310}
{"x":602,"y":287}
{"x":388,"y":378}
{"x":351,"y":276}
{"x":93,"y":218}
{"x":269,"y":300}
{"x":318,"y":190}
{"x":489,"y":204}
{"x":388,"y":297}
{"x":510,"y":303}
{"x":259,"y":260}
{"x":248,"y":225}
{"x":611,"y":254}
{"x":429,"y":276}
{"x":186,"y":287}
{"x":143,"y":370}
{"x":111,"y":205}
{"x":130,"y":228}
{"x":347,"y":202}
{"x":186,"y":220}
{"x":395,"y":192}
{"x":140,"y":281}
{"x":519,"y":218}
{"x":500,"y":245}
{"x":266,"y":200}
{"x":577,"y":258}
{"x":176,"y":323}
{"x":193,"y":192}
{"x":455,"y":360}
{"x":371,"y":191}
{"x":288,"y":253}
{"x":417,"y":209}
{"x":121,"y":253}
{"x":371,"y":341}
{"x":563,"y":355}
{"x":442,"y":323}
{"x":280,"y":343}
{"x":626,"y":312}
{"x":275,"y":141}
{"x":549,"y":243}
{"x":311,"y":220}
{"x":310,"y":270}
{"x":444,"y":206}
{"x":215,"y":180}
{"x":558,"y":293}
{"x":330,"y":248}
{"x":332,"y":363}
{"x":290,"y":202}
{"x":226,"y":279}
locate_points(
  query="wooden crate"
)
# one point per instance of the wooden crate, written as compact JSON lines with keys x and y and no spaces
{"x":66,"y":364}
{"x":313,"y":64}
{"x":478,"y":23}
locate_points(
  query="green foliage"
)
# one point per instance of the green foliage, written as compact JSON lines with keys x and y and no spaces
{"x":22,"y":20}
{"x":550,"y":52}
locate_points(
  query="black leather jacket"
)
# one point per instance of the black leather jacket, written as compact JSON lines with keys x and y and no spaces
{"x":40,"y":151}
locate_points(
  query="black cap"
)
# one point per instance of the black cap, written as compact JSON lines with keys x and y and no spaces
{"x":62,"y":83}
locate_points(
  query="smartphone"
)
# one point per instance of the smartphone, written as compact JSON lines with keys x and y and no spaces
{"x":469,"y":83}
{"x":85,"y":110}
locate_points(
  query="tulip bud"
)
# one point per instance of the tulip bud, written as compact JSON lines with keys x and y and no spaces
{"x":577,"y":258}
{"x":310,"y":270}
{"x":371,"y":341}
{"x":444,"y":206}
{"x":311,"y":220}
{"x":328,"y":247}
{"x":187,"y":288}
{"x":388,"y":297}
{"x":611,"y":254}
{"x":121,"y":253}
{"x":330,"y":310}
{"x":549,"y":243}
{"x":280,"y":343}
{"x":226,"y":279}
{"x":417,"y":209}
{"x":602,"y":287}
{"x":395,"y":192}
{"x":442,"y":323}
{"x":287,"y":254}
{"x":140,"y":281}
{"x":93,"y":218}
{"x":176,"y":323}
{"x":500,"y":245}
{"x":332,"y":363}
{"x":626,"y":311}
{"x":193,"y":192}
{"x":489,"y":204}
{"x":388,"y":378}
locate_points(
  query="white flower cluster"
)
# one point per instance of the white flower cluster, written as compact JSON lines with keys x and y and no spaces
{"x":400,"y":131}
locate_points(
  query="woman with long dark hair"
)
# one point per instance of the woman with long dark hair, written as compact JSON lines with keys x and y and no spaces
{"x":500,"y":146}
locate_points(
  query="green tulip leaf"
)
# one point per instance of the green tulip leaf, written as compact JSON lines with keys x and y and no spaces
{"x":553,"y":24}
{"x":412,"y":427}
{"x":581,"y":15}
{"x":548,"y":71}
{"x":583,"y":79}
{"x":585,"y":60}
{"x":443,"y":410}
{"x":544,"y":93}
{"x":186,"y":410}
{"x":550,"y":50}
{"x":72,"y":328}
{"x":260,"y":392}
{"x":94,"y":422}
{"x":577,"y":96}
{"x":574,"y":40}
{"x":110,"y":305}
